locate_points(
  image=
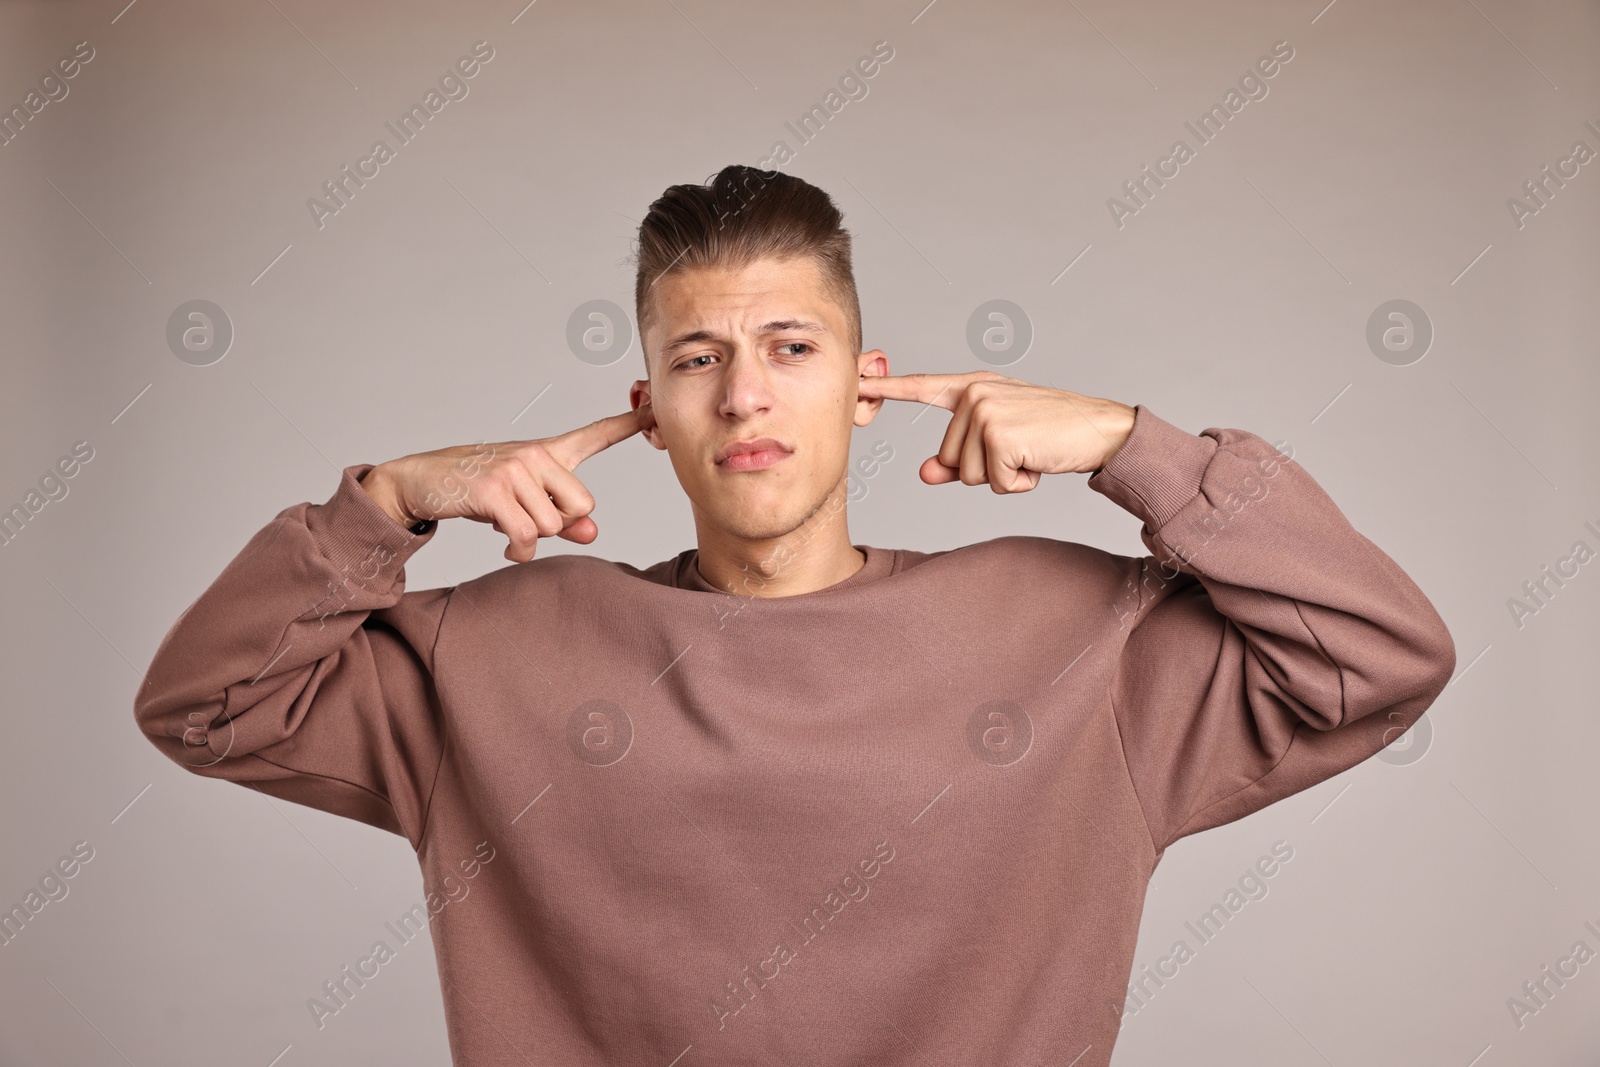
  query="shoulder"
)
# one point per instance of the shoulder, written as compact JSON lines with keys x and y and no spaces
{"x":1016,"y":554}
{"x":1021,"y":573}
{"x":1005,"y":592}
{"x":568,"y":573}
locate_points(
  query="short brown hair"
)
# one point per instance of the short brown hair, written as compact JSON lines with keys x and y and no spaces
{"x":740,"y":215}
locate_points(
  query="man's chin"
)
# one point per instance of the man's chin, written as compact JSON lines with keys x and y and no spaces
{"x":755,"y":512}
{"x":757,"y":527}
{"x":760,"y":519}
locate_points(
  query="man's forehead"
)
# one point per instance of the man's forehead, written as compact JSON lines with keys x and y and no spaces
{"x":704,"y":303}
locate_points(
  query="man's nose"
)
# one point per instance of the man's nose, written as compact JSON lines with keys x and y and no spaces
{"x":747,"y":383}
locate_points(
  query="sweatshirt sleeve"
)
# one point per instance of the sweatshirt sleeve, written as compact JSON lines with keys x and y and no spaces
{"x":305,"y":671}
{"x":1271,"y":646}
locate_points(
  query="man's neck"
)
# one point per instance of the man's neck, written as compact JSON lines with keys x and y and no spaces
{"x":815,"y":555}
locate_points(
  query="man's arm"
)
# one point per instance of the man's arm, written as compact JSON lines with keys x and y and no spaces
{"x":1267,"y":634}
{"x":1272,"y":645}
{"x":305,"y":670}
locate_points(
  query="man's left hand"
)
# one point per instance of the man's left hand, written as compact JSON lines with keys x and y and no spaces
{"x":1008,"y":432}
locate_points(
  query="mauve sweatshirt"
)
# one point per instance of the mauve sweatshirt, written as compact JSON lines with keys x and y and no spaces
{"x":907,"y":819}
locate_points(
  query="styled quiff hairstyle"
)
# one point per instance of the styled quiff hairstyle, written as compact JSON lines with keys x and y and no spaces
{"x":740,"y":215}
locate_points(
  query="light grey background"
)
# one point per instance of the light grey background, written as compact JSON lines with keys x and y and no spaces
{"x":433,"y":308}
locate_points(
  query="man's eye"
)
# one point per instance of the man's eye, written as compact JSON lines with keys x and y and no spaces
{"x":692,"y":359}
{"x":800,"y":344}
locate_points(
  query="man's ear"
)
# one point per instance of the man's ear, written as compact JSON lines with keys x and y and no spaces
{"x":638,"y":395}
{"x":870,"y":364}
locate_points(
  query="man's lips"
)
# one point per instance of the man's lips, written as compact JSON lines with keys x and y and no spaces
{"x":754,"y":461}
{"x":752,"y":447}
{"x":754,"y":454}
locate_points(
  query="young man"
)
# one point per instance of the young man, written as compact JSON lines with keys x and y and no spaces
{"x":783,"y":798}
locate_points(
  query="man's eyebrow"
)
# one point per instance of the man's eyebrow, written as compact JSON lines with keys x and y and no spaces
{"x":775,"y":326}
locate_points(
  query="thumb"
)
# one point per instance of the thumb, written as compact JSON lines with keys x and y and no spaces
{"x":583,"y":531}
{"x":935,"y":473}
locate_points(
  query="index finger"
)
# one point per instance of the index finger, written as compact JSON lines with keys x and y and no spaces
{"x":941,"y":389}
{"x":575,"y":446}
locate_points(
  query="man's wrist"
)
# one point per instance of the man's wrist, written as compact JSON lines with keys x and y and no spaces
{"x":1117,"y":428}
{"x":378,"y":486}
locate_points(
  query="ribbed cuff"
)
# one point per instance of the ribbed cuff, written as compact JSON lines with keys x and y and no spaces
{"x":352,"y":529}
{"x":1157,"y":470}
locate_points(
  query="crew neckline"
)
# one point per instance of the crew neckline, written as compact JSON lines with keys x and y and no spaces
{"x":879,"y":563}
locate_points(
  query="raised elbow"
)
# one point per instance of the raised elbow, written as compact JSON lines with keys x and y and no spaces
{"x":182,"y":729}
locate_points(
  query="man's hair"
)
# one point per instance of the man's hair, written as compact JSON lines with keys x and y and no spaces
{"x":740,"y":215}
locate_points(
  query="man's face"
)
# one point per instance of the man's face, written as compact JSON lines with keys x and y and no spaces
{"x":759,"y":352}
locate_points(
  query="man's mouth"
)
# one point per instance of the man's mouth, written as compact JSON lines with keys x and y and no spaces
{"x":752,"y":455}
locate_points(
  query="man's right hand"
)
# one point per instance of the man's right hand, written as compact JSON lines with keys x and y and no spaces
{"x":525,"y":489}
